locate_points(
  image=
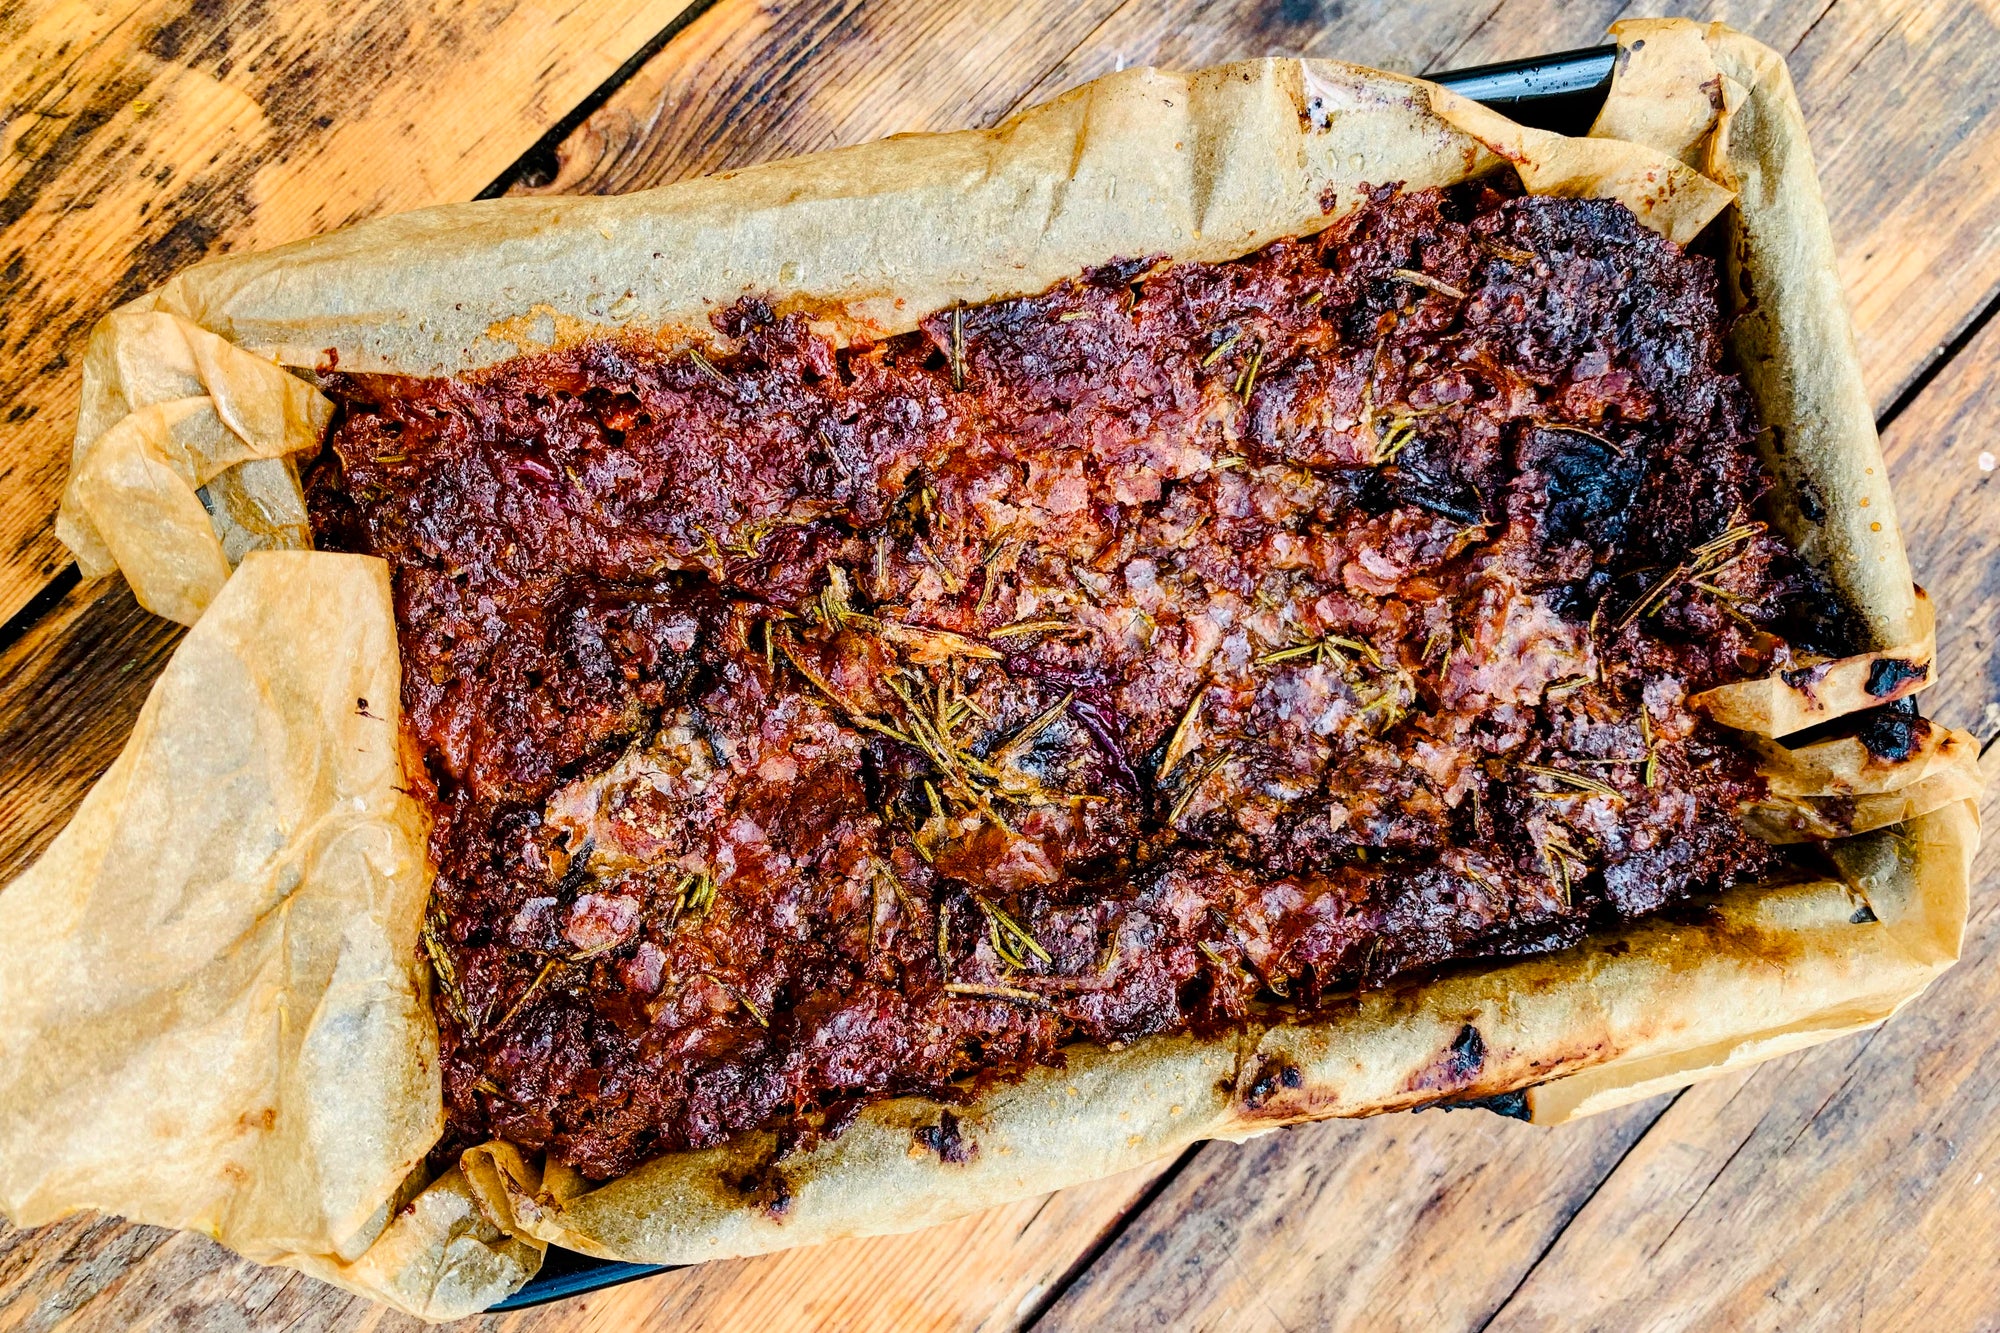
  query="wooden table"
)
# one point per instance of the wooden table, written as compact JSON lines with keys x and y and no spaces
{"x":1856,"y":1185}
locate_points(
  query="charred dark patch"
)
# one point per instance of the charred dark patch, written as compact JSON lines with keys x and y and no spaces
{"x":1864,"y":915}
{"x":1901,"y":711}
{"x":1457,"y":1065}
{"x":1812,"y":505}
{"x":1693,"y":912}
{"x":1273,"y":1075}
{"x":1892,"y":737}
{"x":947,"y":1140}
{"x":767,"y":1190}
{"x":1586,"y":482}
{"x":1513,"y":1105}
{"x":1805,"y":679}
{"x":1893,"y":675}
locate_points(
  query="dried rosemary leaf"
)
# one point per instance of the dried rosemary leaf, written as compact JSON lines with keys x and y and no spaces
{"x":1011,"y":993}
{"x":1016,"y":935}
{"x":707,"y":367}
{"x":1221,"y":350}
{"x":1580,"y":781}
{"x":1438,"y":285}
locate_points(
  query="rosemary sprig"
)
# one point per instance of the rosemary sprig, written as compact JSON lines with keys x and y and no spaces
{"x":447,"y":975}
{"x":1580,"y":781}
{"x":1018,"y":744}
{"x":1704,"y":561}
{"x":1650,"y":775}
{"x":1438,"y":285}
{"x":1367,"y":650}
{"x":1011,"y":993}
{"x":1182,"y":741}
{"x":904,"y":898}
{"x":953,"y":582}
{"x":1324,"y":647}
{"x":741,"y":999}
{"x":1401,"y":430}
{"x":1010,"y":937}
{"x":695,"y":894}
{"x":1287,"y":654}
{"x":707,"y":367}
{"x":1108,"y":958}
{"x":1215,"y":956}
{"x":1248,"y":379}
{"x":854,"y":713}
{"x":1194,"y":785}
{"x":1506,"y":252}
{"x":1557,"y":850}
{"x":834,"y":606}
{"x":1221,"y":350}
{"x":1566,"y":428}
{"x":527,"y":994}
{"x":1023,"y":627}
{"x":958,"y":347}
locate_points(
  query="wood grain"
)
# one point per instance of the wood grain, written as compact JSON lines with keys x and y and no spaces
{"x":1408,"y":1221}
{"x":137,"y":138}
{"x":977,"y":1273}
{"x":754,"y":80}
{"x":1941,"y":452}
{"x":70,"y":689}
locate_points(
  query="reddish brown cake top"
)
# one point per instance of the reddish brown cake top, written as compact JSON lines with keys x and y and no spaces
{"x":808,"y":725}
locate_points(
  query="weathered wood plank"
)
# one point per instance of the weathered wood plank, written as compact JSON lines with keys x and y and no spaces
{"x":1407,"y":1221}
{"x":73,"y":684}
{"x":754,"y":80}
{"x":1941,"y":453}
{"x":136,"y":138}
{"x":977,"y":1273}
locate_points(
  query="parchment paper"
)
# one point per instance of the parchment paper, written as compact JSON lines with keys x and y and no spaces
{"x":212,"y":1013}
{"x":171,"y":412}
{"x":868,"y":241}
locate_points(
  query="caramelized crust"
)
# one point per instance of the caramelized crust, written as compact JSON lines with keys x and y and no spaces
{"x":809,"y":725}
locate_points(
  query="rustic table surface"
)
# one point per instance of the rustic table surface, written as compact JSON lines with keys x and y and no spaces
{"x":1855,"y":1185}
